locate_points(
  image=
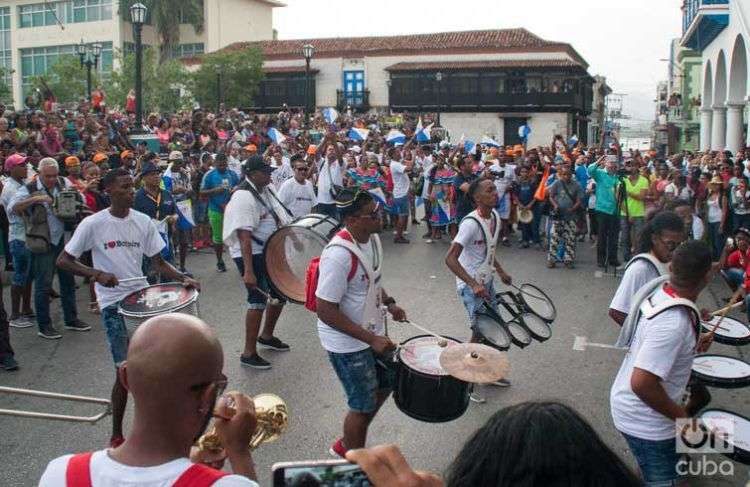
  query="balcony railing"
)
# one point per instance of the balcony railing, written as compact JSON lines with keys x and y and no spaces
{"x":274,"y":92}
{"x":358,"y":101}
{"x":503,"y":101}
{"x":691,"y":10}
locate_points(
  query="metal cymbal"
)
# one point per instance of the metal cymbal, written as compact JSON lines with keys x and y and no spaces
{"x":474,"y":362}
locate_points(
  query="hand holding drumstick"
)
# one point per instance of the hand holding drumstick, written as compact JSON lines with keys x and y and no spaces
{"x":705,"y":340}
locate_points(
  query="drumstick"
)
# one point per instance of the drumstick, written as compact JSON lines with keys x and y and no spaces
{"x":271,"y":300}
{"x":726,"y":310}
{"x":731,"y":306}
{"x":442,"y":342}
{"x":130,"y":279}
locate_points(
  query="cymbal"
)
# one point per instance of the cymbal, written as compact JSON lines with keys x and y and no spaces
{"x":474,"y":362}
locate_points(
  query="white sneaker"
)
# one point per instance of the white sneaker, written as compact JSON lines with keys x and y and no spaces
{"x":21,"y":322}
{"x":429,"y":240}
{"x":475,"y":397}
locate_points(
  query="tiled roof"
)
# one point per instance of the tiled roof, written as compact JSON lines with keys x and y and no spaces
{"x":511,"y":63}
{"x":494,"y":41}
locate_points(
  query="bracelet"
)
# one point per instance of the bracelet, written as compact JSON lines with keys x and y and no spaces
{"x":389,"y":301}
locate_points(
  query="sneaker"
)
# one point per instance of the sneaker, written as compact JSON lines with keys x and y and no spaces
{"x":77,"y":325}
{"x":506,"y":242}
{"x":255,"y":362}
{"x":9,"y":363}
{"x":274,"y":344}
{"x":116,"y":441}
{"x":401,"y":240}
{"x":49,"y":332}
{"x":338,"y":449}
{"x":221,"y":266}
{"x":475,"y":397}
{"x":21,"y":322}
{"x":501,"y":383}
{"x":429,"y":241}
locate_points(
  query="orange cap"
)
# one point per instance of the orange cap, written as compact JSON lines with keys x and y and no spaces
{"x":72,"y":161}
{"x":126,"y":153}
{"x":311,"y":150}
{"x":251,"y":148}
{"x":99,"y":157}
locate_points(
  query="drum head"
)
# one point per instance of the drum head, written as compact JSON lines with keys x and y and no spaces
{"x":290,"y":249}
{"x":494,"y":333}
{"x":537,"y":327}
{"x":422,"y":353}
{"x":729,"y":332}
{"x":518,"y":334}
{"x":721,"y":371}
{"x":156,"y":300}
{"x":538,"y":302}
{"x":736,"y":427}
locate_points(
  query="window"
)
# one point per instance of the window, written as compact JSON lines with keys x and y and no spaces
{"x":5,"y":48}
{"x":36,"y":61}
{"x":187,"y":50}
{"x":129,"y":47}
{"x":67,"y":12}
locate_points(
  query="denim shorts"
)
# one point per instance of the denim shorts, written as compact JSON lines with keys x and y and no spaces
{"x":473,"y":303}
{"x":657,"y":460}
{"x":256,"y":300}
{"x":21,"y":262}
{"x":117,"y":333}
{"x":362,"y":377}
{"x":400,"y":206}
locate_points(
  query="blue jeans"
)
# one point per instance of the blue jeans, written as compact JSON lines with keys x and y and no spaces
{"x":43,"y":268}
{"x":256,"y":300}
{"x":473,"y":303}
{"x":117,"y":333}
{"x":716,"y":240}
{"x":734,"y":275}
{"x":362,"y":378}
{"x":400,"y":206}
{"x":21,"y":263}
{"x":657,"y":460}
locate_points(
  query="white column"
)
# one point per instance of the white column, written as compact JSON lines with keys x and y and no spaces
{"x":719,"y":128}
{"x":734,"y":127}
{"x":707,"y":117}
{"x":747,"y":141}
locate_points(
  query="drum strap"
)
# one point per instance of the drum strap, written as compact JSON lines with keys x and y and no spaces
{"x":246,"y":185}
{"x":659,"y":267}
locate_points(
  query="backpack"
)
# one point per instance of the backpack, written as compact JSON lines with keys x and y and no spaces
{"x":312,"y":274}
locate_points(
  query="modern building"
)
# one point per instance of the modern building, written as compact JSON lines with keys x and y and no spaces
{"x":480,"y":82}
{"x":719,"y":31}
{"x":33,"y":34}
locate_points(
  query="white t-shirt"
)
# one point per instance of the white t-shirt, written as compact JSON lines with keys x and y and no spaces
{"x":243,"y":212}
{"x":400,"y":180}
{"x":636,"y":275}
{"x":471,"y":237}
{"x":324,"y":181}
{"x":235,"y":165}
{"x":426,"y":164}
{"x":665,"y":347}
{"x":117,"y":246}
{"x":684,"y":194}
{"x":105,"y":472}
{"x":502,"y":183}
{"x":282,"y":172}
{"x":350,"y":295}
{"x":299,"y":198}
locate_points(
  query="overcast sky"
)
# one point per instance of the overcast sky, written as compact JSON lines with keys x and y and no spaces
{"x":620,"y":40}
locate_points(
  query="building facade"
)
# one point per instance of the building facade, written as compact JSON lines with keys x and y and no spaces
{"x":683,"y":100}
{"x":33,"y":34}
{"x":480,"y":82}
{"x":718,"y":30}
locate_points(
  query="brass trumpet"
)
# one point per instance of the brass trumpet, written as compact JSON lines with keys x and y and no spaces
{"x":272,"y":416}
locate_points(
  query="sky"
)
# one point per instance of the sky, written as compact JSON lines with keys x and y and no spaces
{"x":622,"y":40}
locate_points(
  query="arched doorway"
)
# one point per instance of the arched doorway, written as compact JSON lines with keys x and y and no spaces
{"x":737,"y":95}
{"x":719,"y":125}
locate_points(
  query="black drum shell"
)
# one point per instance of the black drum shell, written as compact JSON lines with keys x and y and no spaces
{"x":720,"y":382}
{"x":530,"y":310}
{"x":725,"y":340}
{"x":490,"y":343}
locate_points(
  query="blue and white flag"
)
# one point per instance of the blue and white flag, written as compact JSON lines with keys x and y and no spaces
{"x":469,"y":146}
{"x":572,"y":141}
{"x":379,"y":196}
{"x":276,"y":135}
{"x":489,"y":141}
{"x":184,"y":208}
{"x":524,"y":131}
{"x":423,"y":133}
{"x":358,"y":134}
{"x":395,"y":137}
{"x":330,"y":114}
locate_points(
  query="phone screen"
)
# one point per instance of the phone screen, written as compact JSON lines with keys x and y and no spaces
{"x":326,"y":473}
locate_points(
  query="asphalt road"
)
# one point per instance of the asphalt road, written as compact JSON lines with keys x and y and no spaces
{"x":415,"y":274}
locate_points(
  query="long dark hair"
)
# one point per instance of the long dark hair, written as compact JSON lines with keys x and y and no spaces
{"x":661,"y":222}
{"x":537,"y":444}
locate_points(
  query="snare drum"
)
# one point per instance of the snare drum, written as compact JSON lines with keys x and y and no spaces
{"x":721,"y":371}
{"x":539,"y":329}
{"x":157,"y":300}
{"x":729,"y":332}
{"x":738,"y":435}
{"x":423,"y":390}
{"x":493,"y":333}
{"x":290,"y":249}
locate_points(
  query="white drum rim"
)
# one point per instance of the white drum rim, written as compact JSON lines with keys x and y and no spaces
{"x":503,"y":329}
{"x":541,"y":322}
{"x":543,"y":298}
{"x":708,"y":373}
{"x":425,"y":338}
{"x":736,"y":324}
{"x":149,"y":314}
{"x":528,"y":338}
{"x":735,"y":416}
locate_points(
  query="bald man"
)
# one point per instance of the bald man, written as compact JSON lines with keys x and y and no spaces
{"x":174,"y":372}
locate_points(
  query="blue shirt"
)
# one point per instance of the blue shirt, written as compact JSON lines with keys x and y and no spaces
{"x":526,"y":190}
{"x":214,"y":179}
{"x":145,"y":203}
{"x":582,"y":176}
{"x":606,"y":185}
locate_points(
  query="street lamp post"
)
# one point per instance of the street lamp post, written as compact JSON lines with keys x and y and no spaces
{"x":88,"y":54}
{"x":439,"y":79}
{"x":138,"y":18}
{"x":308,"y":51}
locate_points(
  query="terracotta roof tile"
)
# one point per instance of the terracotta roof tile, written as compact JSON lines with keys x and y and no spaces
{"x":489,"y":64}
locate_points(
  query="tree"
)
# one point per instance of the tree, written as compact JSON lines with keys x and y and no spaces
{"x":233,"y":74}
{"x":165,"y":15}
{"x":165,"y":86}
{"x":66,"y":79}
{"x":6,"y":94}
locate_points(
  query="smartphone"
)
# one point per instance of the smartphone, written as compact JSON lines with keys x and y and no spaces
{"x":319,"y":472}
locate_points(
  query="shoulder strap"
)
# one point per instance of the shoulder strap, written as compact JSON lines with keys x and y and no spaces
{"x":78,"y":473}
{"x":648,"y":258}
{"x":198,"y":475}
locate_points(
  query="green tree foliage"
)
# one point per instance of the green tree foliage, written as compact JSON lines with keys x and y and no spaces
{"x":67,"y":79}
{"x":239,"y":73}
{"x":165,"y":16}
{"x":6,"y":94}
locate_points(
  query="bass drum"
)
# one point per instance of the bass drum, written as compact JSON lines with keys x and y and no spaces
{"x":424,"y":390}
{"x":290,"y":249}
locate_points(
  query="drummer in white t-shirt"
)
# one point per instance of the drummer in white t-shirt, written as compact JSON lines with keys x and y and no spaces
{"x":118,"y":238}
{"x":298,"y":193}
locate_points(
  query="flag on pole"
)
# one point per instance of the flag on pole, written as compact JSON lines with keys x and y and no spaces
{"x":276,"y":135}
{"x":423,"y":133}
{"x":489,"y":141}
{"x":395,"y":137}
{"x":358,"y":134}
{"x":330,"y":114}
{"x":572,"y":141}
{"x":524,"y":131}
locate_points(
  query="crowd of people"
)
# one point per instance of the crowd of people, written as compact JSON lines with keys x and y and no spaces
{"x":225,"y":181}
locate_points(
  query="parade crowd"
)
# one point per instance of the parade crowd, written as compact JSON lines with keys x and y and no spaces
{"x":549,"y":199}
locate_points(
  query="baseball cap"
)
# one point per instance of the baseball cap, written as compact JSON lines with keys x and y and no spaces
{"x":100,"y":157}
{"x":256,"y":163}
{"x":72,"y":161}
{"x":311,"y":150}
{"x":175,"y":155}
{"x":14,"y":160}
{"x":148,"y":168}
{"x":125,"y":153}
{"x":251,"y":148}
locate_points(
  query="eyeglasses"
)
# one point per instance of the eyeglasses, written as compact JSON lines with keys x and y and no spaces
{"x":670,"y":244}
{"x":220,"y":385}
